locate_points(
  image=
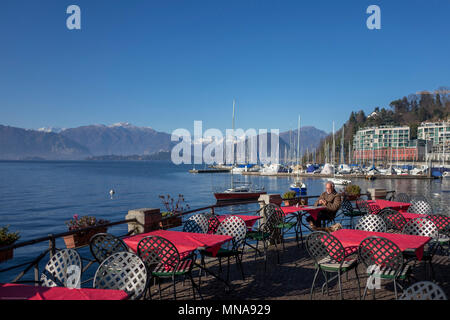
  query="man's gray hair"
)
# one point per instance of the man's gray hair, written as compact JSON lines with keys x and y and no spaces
{"x":332,"y":184}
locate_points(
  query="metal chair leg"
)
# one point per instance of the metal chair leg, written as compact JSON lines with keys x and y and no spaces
{"x":340,"y":286}
{"x":359,"y":285}
{"x":174,"y":288}
{"x":239,"y":265}
{"x":228,"y":269}
{"x":265,"y":256}
{"x":395,"y":290}
{"x":365,"y":291}
{"x":314,"y":281}
{"x":159,"y":285}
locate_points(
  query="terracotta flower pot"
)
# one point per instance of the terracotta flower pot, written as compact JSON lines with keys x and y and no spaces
{"x":80,"y":239}
{"x":6,"y":255}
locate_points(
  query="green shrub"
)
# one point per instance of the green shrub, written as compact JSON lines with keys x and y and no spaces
{"x":289,"y":195}
{"x":353,"y":189}
{"x":7,"y":238}
{"x":166,"y":214}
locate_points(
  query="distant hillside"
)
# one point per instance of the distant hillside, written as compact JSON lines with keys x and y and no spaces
{"x":310,"y":138}
{"x":21,"y":144}
{"x":408,"y":111}
{"x":120,"y":139}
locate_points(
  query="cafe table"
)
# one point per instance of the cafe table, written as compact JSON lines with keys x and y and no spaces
{"x":300,"y":211}
{"x":248,"y":219}
{"x":313,"y":211}
{"x":185,"y":242}
{"x":14,"y":291}
{"x":390,"y":204}
{"x":410,"y":216}
{"x":351,"y":238}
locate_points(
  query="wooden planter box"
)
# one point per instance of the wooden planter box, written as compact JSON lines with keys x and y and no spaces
{"x":172,"y":222}
{"x":80,"y":239}
{"x":6,"y":255}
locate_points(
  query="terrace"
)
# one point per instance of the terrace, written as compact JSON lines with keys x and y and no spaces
{"x":290,"y":279}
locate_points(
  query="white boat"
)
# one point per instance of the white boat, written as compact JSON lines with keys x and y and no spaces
{"x":389,"y":172}
{"x":239,"y":170}
{"x":342,"y":182}
{"x":271,"y":169}
{"x":344,"y":169}
{"x":327,"y":169}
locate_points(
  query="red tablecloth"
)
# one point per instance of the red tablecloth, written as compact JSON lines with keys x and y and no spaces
{"x":12,"y":291}
{"x":409,"y":216}
{"x":352,"y":238}
{"x":311,"y":210}
{"x":185,"y":242}
{"x":390,"y":204}
{"x":249,"y":220}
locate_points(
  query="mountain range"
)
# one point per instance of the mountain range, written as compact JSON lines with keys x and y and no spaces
{"x":121,"y":139}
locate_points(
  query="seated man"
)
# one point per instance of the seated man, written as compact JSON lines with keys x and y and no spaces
{"x":332,"y":200}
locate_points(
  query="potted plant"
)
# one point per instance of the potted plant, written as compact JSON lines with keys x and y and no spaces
{"x":289,"y":198}
{"x":171,"y":217}
{"x":352,"y":191}
{"x":82,"y":238}
{"x":6,"y":239}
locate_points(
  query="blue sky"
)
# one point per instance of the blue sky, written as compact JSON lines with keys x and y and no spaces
{"x":167,"y":63}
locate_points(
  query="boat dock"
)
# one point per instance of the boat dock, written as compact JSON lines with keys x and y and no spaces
{"x":209,"y":170}
{"x":344,"y":176}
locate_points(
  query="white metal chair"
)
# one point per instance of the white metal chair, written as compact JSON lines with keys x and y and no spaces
{"x":402,"y":197}
{"x":371,"y":222}
{"x":197,"y":223}
{"x":122,"y":271}
{"x":426,"y":228}
{"x":63,"y":270}
{"x":421,"y":207}
{"x":423,"y":290}
{"x":232,"y":226}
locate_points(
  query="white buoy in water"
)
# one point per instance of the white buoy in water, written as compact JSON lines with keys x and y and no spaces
{"x":111,"y":192}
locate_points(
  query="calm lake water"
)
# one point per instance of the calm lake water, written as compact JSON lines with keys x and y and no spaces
{"x":38,"y":197}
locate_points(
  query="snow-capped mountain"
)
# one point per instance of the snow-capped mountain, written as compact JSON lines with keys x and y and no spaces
{"x":51,"y":129}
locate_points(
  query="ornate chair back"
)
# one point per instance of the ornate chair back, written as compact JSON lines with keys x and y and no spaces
{"x":371,"y":222}
{"x":102,"y":245}
{"x":423,"y":290}
{"x":122,"y":271}
{"x":63,"y":270}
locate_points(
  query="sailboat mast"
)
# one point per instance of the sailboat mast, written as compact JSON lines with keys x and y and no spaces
{"x":234,"y":155}
{"x":342,"y":145}
{"x":298,"y":142}
{"x":334,"y":148}
{"x":443,"y":145}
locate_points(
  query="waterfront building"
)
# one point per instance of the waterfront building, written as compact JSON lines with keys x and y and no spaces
{"x":439,"y":134}
{"x":387,"y":143}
